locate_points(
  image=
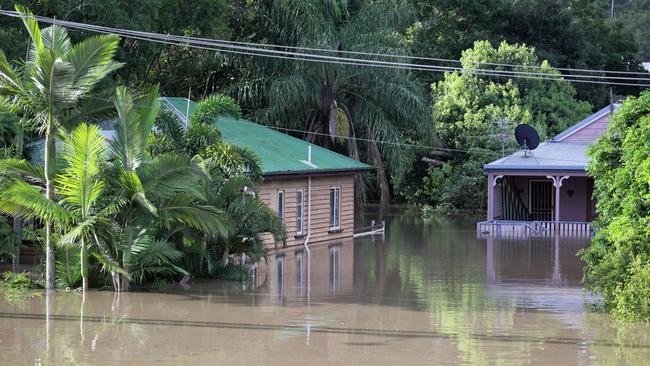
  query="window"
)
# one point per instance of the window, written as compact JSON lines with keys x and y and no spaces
{"x":281,"y":205}
{"x":335,"y":208}
{"x":299,"y":213}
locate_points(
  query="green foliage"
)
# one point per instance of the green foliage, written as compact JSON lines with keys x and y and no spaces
{"x":199,"y":137}
{"x":148,"y":63}
{"x":634,"y":16}
{"x":575,"y":34}
{"x":153,"y":258}
{"x":213,"y":107}
{"x":633,"y":296}
{"x":7,"y":247}
{"x":235,"y":161}
{"x":619,"y":257}
{"x":467,"y":110}
{"x":232,"y":272}
{"x":17,"y":282}
{"x":68,"y":266}
{"x":367,"y":103}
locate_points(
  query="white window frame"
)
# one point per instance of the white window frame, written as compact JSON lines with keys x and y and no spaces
{"x":335,"y":208}
{"x":300,"y":211}
{"x":280,"y":207}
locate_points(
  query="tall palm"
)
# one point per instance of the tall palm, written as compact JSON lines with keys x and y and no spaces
{"x":376,"y":104}
{"x":53,"y":85}
{"x":78,"y":208}
{"x":161,"y":193}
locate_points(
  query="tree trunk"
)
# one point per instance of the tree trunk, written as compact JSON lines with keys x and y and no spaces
{"x":126,"y":258}
{"x":50,"y":151}
{"x":382,"y":179}
{"x":225,"y":256}
{"x":17,"y":242}
{"x":353,"y":152}
{"x":17,"y":237}
{"x":84,"y":266}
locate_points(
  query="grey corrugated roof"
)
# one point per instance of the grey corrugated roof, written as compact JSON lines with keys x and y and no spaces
{"x":548,"y":156}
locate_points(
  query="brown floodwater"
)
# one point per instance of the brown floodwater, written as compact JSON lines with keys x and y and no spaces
{"x":430,"y":293}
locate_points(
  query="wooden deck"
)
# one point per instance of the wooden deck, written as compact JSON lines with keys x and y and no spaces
{"x":526,"y":229}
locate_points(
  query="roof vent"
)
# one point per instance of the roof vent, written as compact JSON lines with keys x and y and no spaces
{"x":308,"y":161}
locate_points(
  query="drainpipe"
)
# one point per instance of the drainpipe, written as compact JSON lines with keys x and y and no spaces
{"x":308,"y":228}
{"x":308,"y":251}
{"x":308,"y":234}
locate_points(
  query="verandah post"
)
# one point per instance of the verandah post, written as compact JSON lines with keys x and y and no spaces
{"x":490,"y":197}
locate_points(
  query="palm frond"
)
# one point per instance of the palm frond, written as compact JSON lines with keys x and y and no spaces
{"x":68,"y":266}
{"x":213,"y":107}
{"x":20,"y":199}
{"x":22,"y":169}
{"x":127,"y":145}
{"x":74,"y":234}
{"x":154,"y":256}
{"x":8,"y":77}
{"x":52,"y":78}
{"x":31,"y":25}
{"x":56,"y":40}
{"x":182,"y":209}
{"x":148,"y":107}
{"x":92,"y":59}
{"x":168,"y":174}
{"x":83,"y":152}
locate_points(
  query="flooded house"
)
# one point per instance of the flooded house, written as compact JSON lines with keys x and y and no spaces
{"x":310,"y":188}
{"x":547,"y":190}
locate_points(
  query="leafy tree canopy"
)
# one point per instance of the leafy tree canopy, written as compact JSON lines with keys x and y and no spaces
{"x":618,"y":261}
{"x":567,"y":33}
{"x":467,"y":109}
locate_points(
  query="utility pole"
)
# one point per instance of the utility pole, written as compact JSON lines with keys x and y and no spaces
{"x":503,"y":124}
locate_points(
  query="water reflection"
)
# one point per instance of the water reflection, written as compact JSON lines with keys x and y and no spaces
{"x":430,"y":293}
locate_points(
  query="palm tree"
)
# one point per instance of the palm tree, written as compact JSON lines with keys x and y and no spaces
{"x":53,"y":86}
{"x":376,"y":104}
{"x":77,"y":210}
{"x":162,"y":193}
{"x":230,"y":183}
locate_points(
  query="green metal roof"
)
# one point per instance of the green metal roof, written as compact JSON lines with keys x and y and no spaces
{"x":280,"y":153}
{"x":179,"y":106}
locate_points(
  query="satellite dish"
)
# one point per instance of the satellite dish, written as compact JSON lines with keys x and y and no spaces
{"x":527,"y":137}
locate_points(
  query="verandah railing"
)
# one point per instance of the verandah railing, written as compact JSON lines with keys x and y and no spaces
{"x":533,"y":228}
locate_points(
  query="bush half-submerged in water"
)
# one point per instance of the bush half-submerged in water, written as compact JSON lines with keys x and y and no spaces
{"x":18,"y":282}
{"x":232,"y":272}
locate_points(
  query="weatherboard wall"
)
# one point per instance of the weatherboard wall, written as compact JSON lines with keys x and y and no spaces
{"x":590,"y":132}
{"x":320,"y":206}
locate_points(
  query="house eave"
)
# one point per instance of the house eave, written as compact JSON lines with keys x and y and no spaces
{"x":319,"y":172}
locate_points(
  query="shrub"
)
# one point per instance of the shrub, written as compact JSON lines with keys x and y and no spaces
{"x":617,"y":260}
{"x":17,"y":282}
{"x":633,"y":296}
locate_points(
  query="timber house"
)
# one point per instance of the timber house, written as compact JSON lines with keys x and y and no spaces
{"x":311,"y":188}
{"x":546,"y":191}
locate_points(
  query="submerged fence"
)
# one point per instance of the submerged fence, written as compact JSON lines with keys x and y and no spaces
{"x":525,"y":229}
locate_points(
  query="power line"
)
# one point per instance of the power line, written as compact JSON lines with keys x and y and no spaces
{"x":467,"y":151}
{"x":325,"y":50}
{"x":215,"y":45}
{"x":234,"y":45}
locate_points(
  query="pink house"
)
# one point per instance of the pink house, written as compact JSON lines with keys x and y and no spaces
{"x":546,"y":191}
